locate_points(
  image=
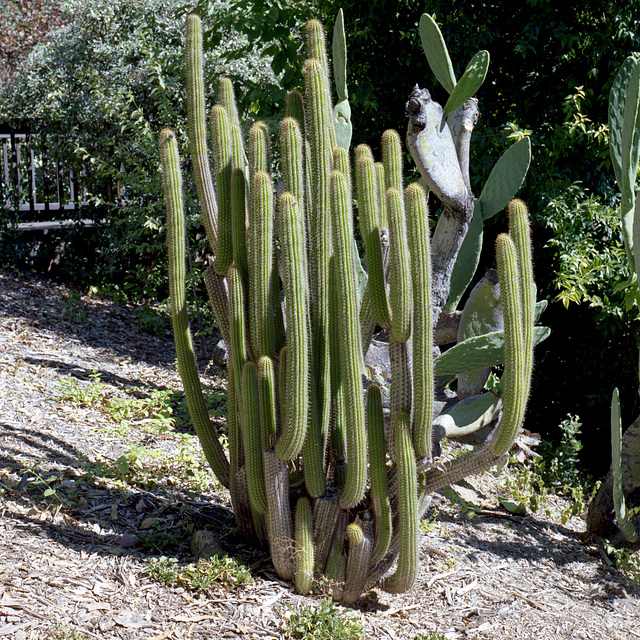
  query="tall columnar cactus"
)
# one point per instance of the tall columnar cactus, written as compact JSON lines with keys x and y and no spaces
{"x":321,"y":471}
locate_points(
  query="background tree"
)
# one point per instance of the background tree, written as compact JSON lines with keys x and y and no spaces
{"x":23,"y":24}
{"x":104,"y":86}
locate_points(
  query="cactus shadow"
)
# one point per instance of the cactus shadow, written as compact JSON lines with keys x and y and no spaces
{"x":540,"y":543}
{"x":88,"y":510}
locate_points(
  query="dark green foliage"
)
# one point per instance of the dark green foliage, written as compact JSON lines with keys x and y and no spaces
{"x":105,"y":85}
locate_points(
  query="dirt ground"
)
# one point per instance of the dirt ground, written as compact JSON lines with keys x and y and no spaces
{"x":82,"y":496}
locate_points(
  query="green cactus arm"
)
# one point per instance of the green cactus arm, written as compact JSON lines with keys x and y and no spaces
{"x":317,"y":45}
{"x":422,"y":334}
{"x":436,"y":51}
{"x":320,"y":145}
{"x":378,"y":469}
{"x":469,"y":83}
{"x":337,"y":561}
{"x":408,"y":527}
{"x":314,"y":449}
{"x":401,"y":394}
{"x":197,"y":124}
{"x":262,"y":268}
{"x":219,"y":301}
{"x":392,"y":160}
{"x":351,"y":364}
{"x":622,"y":514}
{"x":252,"y":438}
{"x":517,"y":375}
{"x":294,"y":108}
{"x":326,"y":512}
{"x":234,"y":437}
{"x":176,"y":238}
{"x":361,"y":540}
{"x":369,"y":216}
{"x":520,"y":232}
{"x":297,"y":314}
{"x":258,"y":149}
{"x":222,"y":166}
{"x":290,"y":140}
{"x":267,"y":397}
{"x":304,"y":546}
{"x":400,"y":287}
{"x":239,"y":345}
{"x":227,"y":98}
{"x":381,"y":181}
{"x":239,"y":219}
{"x":278,"y":520}
{"x":338,"y":424}
{"x":505,"y":179}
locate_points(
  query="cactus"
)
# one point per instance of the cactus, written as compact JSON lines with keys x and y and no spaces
{"x":316,"y":469}
{"x":623,"y":479}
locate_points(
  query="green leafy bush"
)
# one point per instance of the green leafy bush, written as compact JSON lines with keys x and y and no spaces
{"x":104,"y":86}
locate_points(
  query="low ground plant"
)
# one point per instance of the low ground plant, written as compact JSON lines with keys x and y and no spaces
{"x":555,"y":471}
{"x":329,"y":621}
{"x":221,"y":571}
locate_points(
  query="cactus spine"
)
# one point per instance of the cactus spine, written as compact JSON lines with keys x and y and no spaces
{"x":312,"y":470}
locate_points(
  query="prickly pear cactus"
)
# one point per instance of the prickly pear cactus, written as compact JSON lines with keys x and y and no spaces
{"x":608,"y":514}
{"x":332,"y":478}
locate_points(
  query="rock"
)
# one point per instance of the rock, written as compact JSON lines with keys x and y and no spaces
{"x":205,"y":544}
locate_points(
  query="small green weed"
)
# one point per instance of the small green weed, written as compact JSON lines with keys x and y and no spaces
{"x":148,"y":408}
{"x":433,"y":635}
{"x":429,"y":523}
{"x":557,"y":470}
{"x":327,"y":622}
{"x":160,"y":539}
{"x":62,"y":632}
{"x":152,"y":321}
{"x":468,"y":508}
{"x":70,"y":390}
{"x":73,"y":308}
{"x":219,"y":571}
{"x":625,"y":560}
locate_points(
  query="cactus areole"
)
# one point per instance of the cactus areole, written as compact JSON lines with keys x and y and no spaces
{"x":319,"y":467}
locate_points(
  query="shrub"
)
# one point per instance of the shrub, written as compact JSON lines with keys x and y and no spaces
{"x":107,"y":83}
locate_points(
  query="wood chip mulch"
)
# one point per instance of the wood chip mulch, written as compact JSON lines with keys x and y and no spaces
{"x":72,"y":561}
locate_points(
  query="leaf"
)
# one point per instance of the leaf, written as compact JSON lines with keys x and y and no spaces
{"x":506,"y":177}
{"x":624,"y":522}
{"x":342,"y":124}
{"x":624,"y":146}
{"x":470,"y":414}
{"x":339,"y":51}
{"x":468,"y":259}
{"x":516,"y":508}
{"x":436,"y":51}
{"x":541,"y":305}
{"x":478,"y":352}
{"x":469,"y":83}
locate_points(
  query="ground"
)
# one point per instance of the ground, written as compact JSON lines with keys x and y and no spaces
{"x":97,"y":483}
